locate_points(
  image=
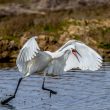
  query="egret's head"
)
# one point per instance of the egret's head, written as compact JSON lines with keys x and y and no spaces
{"x":75,"y":53}
{"x":35,"y":37}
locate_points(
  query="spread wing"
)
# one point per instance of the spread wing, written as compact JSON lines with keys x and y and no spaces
{"x":85,"y":58}
{"x":74,"y":54}
{"x":27,"y":52}
{"x":82,"y":56}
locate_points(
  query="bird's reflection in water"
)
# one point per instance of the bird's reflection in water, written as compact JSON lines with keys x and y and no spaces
{"x":9,"y":106}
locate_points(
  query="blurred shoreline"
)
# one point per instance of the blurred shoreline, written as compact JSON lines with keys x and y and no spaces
{"x":54,"y":22}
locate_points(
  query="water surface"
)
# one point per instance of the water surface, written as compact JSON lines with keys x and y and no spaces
{"x":77,"y":90}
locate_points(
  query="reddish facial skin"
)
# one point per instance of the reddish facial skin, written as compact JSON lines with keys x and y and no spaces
{"x":76,"y":54}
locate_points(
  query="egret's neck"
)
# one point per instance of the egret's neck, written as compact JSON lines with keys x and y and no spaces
{"x":58,"y":54}
{"x":55,"y":54}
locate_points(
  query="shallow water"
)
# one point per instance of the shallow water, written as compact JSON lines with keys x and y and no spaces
{"x":77,"y":90}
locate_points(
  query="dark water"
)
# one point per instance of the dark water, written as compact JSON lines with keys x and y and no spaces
{"x":78,"y":90}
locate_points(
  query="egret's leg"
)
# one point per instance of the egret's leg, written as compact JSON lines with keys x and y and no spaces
{"x":13,"y":96}
{"x":51,"y":91}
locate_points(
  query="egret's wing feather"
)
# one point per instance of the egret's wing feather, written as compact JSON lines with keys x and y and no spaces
{"x":56,"y":66}
{"x":89,"y":59}
{"x":71,"y":62}
{"x":29,"y":51}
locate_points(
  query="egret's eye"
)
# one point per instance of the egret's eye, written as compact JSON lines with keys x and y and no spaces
{"x":73,"y":50}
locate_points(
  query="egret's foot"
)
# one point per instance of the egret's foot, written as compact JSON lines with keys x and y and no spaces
{"x":7,"y":100}
{"x":52,"y":92}
{"x":4,"y":102}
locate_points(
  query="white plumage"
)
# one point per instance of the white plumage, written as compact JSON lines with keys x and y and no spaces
{"x":74,"y":54}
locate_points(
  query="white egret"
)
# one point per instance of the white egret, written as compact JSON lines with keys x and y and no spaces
{"x":73,"y":54}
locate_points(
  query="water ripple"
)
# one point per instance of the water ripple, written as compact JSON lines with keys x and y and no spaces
{"x":77,"y":90}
